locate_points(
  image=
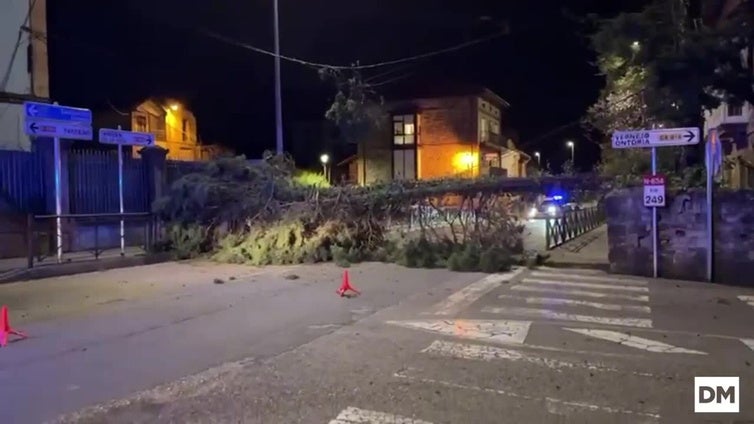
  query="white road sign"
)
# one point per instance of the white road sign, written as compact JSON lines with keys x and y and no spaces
{"x":69,"y":130}
{"x":654,"y":191}
{"x":125,"y":138}
{"x":655,"y":138}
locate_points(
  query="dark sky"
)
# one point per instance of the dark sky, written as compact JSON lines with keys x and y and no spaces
{"x":121,"y":51}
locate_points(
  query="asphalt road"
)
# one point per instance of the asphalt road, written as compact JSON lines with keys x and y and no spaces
{"x":130,"y":342}
{"x":541,"y":346}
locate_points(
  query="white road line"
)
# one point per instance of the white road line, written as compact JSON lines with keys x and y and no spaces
{"x":585,"y":285}
{"x":449,"y":329}
{"x":575,"y":302}
{"x":353,"y":415}
{"x":633,"y":341}
{"x":581,"y":406}
{"x":596,"y":278}
{"x":582,"y":293}
{"x":568,"y":410}
{"x":554,"y":315}
{"x":497,"y":331}
{"x":459,"y":300}
{"x":493,"y":353}
{"x":749,"y":343}
{"x":747,"y":299}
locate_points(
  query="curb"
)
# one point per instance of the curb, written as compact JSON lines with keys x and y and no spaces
{"x":72,"y":268}
{"x":584,"y":265}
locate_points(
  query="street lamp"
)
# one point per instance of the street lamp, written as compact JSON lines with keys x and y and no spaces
{"x":635,"y":46}
{"x":539,"y":158}
{"x":571,"y":145}
{"x":324,"y":158}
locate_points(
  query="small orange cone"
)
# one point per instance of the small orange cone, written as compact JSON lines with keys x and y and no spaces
{"x":346,"y":285}
{"x":6,"y":329}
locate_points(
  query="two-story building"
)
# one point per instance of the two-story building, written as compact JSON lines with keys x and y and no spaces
{"x":734,"y":122}
{"x":23,"y":67}
{"x":172,"y":123}
{"x":451,"y":132}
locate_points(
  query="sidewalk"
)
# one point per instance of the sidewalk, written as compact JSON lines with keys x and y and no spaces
{"x":16,"y":269}
{"x":587,"y":251}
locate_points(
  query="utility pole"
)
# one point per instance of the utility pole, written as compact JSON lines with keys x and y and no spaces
{"x":278,"y":95}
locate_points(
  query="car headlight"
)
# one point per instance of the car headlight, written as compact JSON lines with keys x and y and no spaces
{"x":532,"y":212}
{"x":552,"y":210}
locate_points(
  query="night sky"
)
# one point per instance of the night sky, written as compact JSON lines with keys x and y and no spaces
{"x":119,"y":52}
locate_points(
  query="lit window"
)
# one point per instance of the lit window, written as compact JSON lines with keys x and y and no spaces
{"x":404,"y":129}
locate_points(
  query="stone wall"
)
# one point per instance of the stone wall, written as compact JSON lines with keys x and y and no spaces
{"x":682,"y":235}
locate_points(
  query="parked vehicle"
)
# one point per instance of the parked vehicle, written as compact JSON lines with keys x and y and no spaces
{"x":552,"y":207}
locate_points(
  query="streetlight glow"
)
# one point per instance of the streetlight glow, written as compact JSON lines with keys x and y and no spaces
{"x":572,"y":146}
{"x":324,"y":159}
{"x":539,"y":158}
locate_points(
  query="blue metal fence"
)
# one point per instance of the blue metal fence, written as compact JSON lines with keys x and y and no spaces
{"x":23,"y":182}
{"x":93,"y":182}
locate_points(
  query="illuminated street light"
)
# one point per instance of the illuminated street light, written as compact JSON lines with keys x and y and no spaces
{"x":635,"y":46}
{"x":572,"y":146}
{"x":324,"y":158}
{"x":539,"y":158}
{"x":174,"y":107}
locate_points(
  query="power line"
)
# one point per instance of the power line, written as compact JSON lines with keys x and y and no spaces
{"x":253,"y":48}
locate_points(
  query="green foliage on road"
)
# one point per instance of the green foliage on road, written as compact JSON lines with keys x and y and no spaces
{"x":663,"y":67}
{"x":264,"y":214}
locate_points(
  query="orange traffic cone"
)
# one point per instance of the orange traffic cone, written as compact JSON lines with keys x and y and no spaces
{"x":6,"y":329}
{"x":346,"y":285}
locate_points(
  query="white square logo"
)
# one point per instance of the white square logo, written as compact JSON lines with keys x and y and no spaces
{"x":716,"y":395}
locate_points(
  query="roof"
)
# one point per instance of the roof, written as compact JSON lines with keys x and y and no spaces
{"x":429,"y":88}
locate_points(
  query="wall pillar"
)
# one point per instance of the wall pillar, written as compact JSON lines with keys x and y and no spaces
{"x":155,"y":159}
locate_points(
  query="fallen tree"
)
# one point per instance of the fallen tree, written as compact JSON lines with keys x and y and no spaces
{"x":263,"y":214}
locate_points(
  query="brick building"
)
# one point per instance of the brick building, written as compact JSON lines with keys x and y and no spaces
{"x":458,"y":132}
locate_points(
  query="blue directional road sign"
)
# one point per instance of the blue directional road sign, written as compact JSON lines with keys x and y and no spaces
{"x":69,"y":130}
{"x":48,"y":112}
{"x":125,"y":138}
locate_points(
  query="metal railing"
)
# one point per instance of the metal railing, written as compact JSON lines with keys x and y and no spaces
{"x":572,"y":224}
{"x":89,"y":234}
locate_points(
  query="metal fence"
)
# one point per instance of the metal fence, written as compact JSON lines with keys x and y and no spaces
{"x":572,"y":224}
{"x":93,"y":183}
{"x":23,"y":181}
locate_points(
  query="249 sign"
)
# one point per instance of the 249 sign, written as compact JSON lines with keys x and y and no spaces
{"x":654,"y":191}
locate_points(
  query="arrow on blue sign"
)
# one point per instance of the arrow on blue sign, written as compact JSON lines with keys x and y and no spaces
{"x":48,"y":112}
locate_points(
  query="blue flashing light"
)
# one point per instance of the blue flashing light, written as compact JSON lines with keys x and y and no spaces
{"x":557,"y":197}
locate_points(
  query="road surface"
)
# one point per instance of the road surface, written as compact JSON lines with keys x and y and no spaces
{"x":533,"y":346}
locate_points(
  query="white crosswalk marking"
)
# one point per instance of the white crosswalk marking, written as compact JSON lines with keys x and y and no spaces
{"x":747,"y":299}
{"x":493,"y":353}
{"x":353,"y":415}
{"x":634,"y":341}
{"x":581,"y":293}
{"x":555,"y":315}
{"x":575,"y":302}
{"x":581,"y":277}
{"x":618,"y":287}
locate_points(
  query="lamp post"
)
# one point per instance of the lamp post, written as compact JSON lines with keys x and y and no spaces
{"x":539,"y":158}
{"x":571,"y":145}
{"x":278,"y":95}
{"x":324,"y":158}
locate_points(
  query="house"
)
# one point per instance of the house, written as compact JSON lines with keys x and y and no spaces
{"x":172,"y":123}
{"x":458,"y":131}
{"x":734,"y":122}
{"x":23,"y":67}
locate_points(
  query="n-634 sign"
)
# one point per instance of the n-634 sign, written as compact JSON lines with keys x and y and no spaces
{"x":654,"y":191}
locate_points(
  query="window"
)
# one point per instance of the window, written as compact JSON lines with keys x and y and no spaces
{"x":735,"y":109}
{"x":404,"y":130}
{"x":184,"y":129}
{"x":404,"y":164}
{"x":140,"y":123}
{"x":484,"y":129}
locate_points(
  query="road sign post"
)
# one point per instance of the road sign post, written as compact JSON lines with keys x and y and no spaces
{"x":654,"y":194}
{"x":121,"y":138}
{"x":55,"y":121}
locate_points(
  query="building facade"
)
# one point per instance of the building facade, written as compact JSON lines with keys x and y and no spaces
{"x":734,"y":122}
{"x":23,"y":67}
{"x":442,"y":136}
